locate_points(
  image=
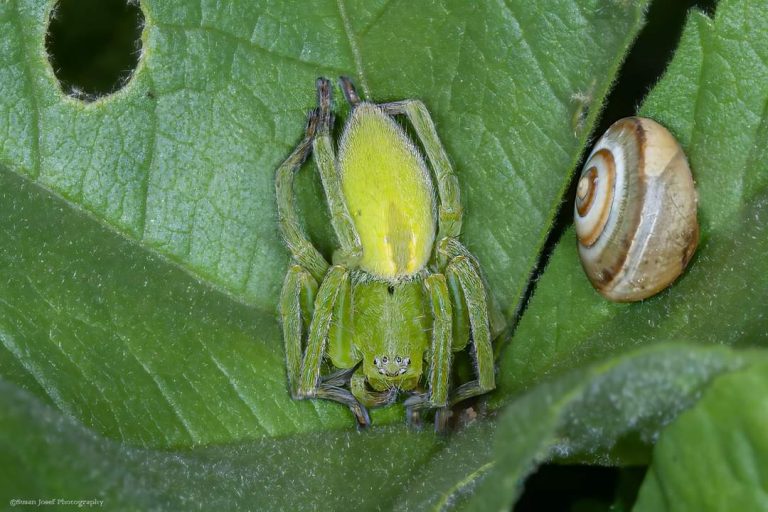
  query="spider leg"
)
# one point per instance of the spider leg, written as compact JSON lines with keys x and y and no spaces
{"x":310,"y":385}
{"x":450,"y":213}
{"x":304,"y":253}
{"x":344,"y":396}
{"x":442,"y":338}
{"x":477,"y":306}
{"x":350,"y":247}
{"x":460,"y":317}
{"x":309,"y":379}
{"x":442,"y":416}
{"x":298,"y":291}
{"x":341,"y":348}
{"x":440,"y":354}
{"x":447,"y":250}
{"x":339,"y":378}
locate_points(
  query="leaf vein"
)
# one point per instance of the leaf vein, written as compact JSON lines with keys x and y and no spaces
{"x":29,"y":85}
{"x":239,"y":393}
{"x":164,"y":392}
{"x":250,"y":44}
{"x":354,"y":47}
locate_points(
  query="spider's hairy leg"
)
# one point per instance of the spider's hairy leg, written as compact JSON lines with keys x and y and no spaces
{"x":440,"y":354}
{"x":304,"y":253}
{"x":442,"y":339}
{"x":325,"y":157}
{"x":477,"y":306}
{"x":339,"y":378}
{"x":310,"y":384}
{"x":319,"y":329}
{"x":450,"y":213}
{"x":447,"y":250}
{"x":461,"y":327}
{"x":341,"y":349}
{"x":296,"y":298}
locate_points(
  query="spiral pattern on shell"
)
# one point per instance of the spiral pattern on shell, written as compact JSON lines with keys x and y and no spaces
{"x":635,"y":211}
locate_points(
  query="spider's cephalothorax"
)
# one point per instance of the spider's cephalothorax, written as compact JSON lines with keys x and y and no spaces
{"x":403,"y":293}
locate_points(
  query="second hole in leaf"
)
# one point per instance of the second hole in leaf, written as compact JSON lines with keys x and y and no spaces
{"x":94,"y":45}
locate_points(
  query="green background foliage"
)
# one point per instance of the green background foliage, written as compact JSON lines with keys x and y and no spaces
{"x":140,"y":354}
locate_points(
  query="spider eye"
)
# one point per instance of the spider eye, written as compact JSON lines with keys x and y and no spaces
{"x":384,"y":360}
{"x":376,"y":361}
{"x":407,"y":361}
{"x":398,"y":360}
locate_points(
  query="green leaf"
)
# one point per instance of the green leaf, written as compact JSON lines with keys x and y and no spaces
{"x":147,"y":309}
{"x":720,"y":300}
{"x":53,"y":456}
{"x":713,"y":97}
{"x":388,"y":468}
{"x":130,"y":345}
{"x":182,"y":158}
{"x":589,"y":413}
{"x":715,"y":455}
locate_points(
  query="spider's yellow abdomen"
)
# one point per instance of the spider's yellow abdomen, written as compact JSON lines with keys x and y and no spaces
{"x":389,"y":194}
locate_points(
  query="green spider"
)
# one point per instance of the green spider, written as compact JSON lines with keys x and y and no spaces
{"x":403,"y":293}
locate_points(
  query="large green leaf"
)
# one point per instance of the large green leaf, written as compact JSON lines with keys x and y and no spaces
{"x":389,"y":468}
{"x":147,"y":310}
{"x":130,"y":345}
{"x":598,"y":410}
{"x":53,"y":456}
{"x":714,"y":456}
{"x":713,"y":97}
{"x":182,"y":158}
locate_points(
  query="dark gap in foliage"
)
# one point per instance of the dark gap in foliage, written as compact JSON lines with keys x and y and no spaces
{"x":644,"y":66}
{"x":648,"y":58}
{"x":94,"y":45}
{"x":556,"y":488}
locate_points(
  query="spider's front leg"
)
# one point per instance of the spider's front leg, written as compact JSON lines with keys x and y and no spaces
{"x":351,"y":249}
{"x":296,"y":306}
{"x":461,"y":272}
{"x":309,"y":383}
{"x":302,"y":250}
{"x":466,"y":291}
{"x":448,"y":249}
{"x":440,"y":354}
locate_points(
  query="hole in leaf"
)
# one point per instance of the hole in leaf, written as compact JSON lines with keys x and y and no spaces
{"x":94,"y":45}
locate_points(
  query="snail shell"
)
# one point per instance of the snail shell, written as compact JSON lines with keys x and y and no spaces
{"x":635,"y":211}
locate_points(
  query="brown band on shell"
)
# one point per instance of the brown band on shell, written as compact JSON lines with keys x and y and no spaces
{"x":584,"y":201}
{"x":589,"y":239}
{"x":633,"y":125}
